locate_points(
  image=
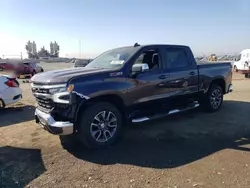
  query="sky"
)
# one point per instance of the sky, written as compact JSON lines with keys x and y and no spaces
{"x":85,"y":28}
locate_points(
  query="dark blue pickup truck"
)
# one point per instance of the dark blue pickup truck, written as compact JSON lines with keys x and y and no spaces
{"x":124,"y":85}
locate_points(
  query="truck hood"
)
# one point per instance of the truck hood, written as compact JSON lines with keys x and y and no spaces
{"x":63,"y":75}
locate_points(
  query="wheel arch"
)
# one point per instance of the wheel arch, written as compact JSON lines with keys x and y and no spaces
{"x":221,"y":82}
{"x":114,"y":99}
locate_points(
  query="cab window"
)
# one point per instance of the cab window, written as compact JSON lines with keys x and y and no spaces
{"x":176,"y":58}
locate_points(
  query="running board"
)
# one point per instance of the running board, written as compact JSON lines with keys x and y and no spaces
{"x":142,"y":119}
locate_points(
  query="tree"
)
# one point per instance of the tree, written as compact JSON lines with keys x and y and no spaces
{"x":31,"y":50}
{"x":43,"y":52}
{"x":57,"y":51}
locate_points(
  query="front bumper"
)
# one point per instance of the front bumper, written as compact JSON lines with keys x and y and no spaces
{"x":55,"y":127}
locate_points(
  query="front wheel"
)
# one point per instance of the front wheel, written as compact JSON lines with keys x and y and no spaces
{"x":213,"y":99}
{"x":100,"y":125}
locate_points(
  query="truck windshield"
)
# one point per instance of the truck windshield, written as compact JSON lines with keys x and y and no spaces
{"x":112,"y":59}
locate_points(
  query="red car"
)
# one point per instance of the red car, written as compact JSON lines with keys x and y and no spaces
{"x":7,"y":66}
{"x":21,"y":68}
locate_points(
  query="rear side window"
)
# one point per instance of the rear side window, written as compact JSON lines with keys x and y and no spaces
{"x":176,"y":58}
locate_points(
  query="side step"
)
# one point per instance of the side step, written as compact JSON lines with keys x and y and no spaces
{"x":142,"y":119}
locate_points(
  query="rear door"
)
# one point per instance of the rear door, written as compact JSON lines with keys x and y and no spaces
{"x":181,"y":70}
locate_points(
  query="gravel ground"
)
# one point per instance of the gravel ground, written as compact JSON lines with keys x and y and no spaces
{"x":191,"y":149}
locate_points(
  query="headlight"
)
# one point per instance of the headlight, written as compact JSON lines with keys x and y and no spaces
{"x":62,"y":89}
{"x":57,"y":90}
{"x":70,"y":88}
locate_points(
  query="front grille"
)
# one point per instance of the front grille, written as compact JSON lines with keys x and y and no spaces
{"x":40,"y":90}
{"x":44,"y":102}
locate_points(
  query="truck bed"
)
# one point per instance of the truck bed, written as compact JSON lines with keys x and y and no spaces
{"x":213,"y":63}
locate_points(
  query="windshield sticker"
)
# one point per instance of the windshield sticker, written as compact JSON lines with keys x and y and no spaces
{"x":117,"y":62}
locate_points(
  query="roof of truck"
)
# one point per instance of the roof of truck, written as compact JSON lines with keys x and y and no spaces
{"x":172,"y":45}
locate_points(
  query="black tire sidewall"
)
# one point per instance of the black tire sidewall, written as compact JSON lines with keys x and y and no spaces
{"x":235,"y":68}
{"x":85,"y":122}
{"x":208,"y":106}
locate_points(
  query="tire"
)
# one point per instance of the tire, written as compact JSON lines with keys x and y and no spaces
{"x":1,"y":69}
{"x":235,"y":68}
{"x":96,"y":134}
{"x":247,"y":75}
{"x":213,"y":98}
{"x":2,"y":105}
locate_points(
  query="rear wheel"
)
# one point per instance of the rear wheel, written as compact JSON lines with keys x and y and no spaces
{"x":247,"y":75}
{"x":100,"y":125}
{"x":213,"y":99}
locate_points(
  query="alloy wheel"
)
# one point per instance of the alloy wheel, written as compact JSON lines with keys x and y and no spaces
{"x":216,"y":98}
{"x":103,"y":126}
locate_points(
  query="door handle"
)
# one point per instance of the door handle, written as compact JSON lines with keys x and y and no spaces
{"x":192,"y":73}
{"x":163,"y":76}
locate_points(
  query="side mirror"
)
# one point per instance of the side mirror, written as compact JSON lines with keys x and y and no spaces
{"x":139,"y":68}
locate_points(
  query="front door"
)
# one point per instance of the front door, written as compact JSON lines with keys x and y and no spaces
{"x":148,"y":88}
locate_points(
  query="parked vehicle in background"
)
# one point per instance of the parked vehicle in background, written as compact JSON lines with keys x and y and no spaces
{"x":72,"y":60}
{"x":10,"y":92}
{"x":29,"y":68}
{"x":20,"y":68}
{"x":242,"y":63}
{"x":7,"y":66}
{"x":123,"y":85}
{"x":36,"y":68}
{"x":81,"y":63}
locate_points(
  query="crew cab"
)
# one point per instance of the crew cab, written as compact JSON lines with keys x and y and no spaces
{"x":129,"y":84}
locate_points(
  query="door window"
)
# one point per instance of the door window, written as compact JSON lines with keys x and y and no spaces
{"x":150,"y":57}
{"x":176,"y":58}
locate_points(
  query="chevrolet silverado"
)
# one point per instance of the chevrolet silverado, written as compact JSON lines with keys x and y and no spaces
{"x":127,"y":85}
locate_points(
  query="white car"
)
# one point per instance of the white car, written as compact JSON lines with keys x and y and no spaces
{"x":10,"y":92}
{"x":242,"y":63}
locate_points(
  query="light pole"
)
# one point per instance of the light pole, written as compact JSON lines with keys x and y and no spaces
{"x":80,"y":51}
